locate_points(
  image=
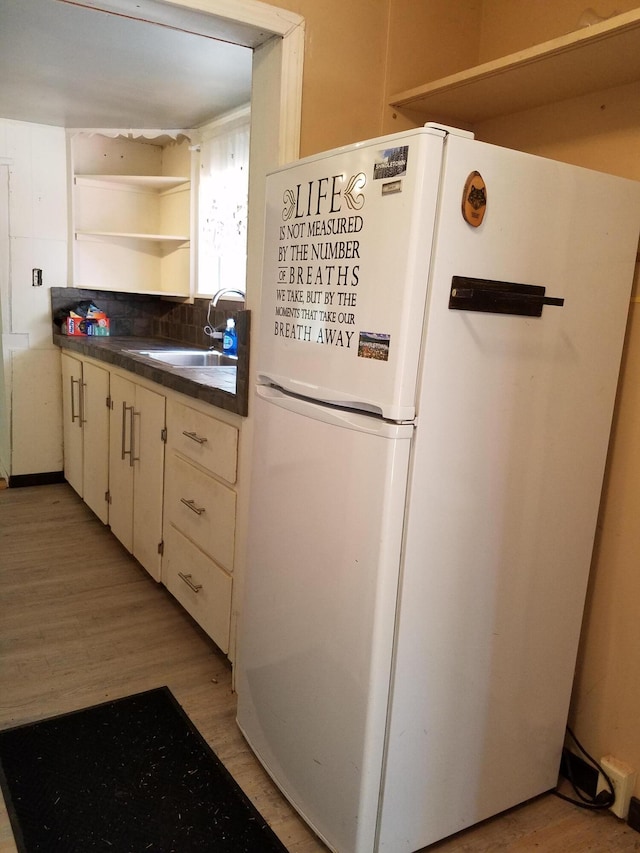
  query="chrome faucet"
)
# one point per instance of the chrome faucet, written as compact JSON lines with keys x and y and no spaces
{"x":216,"y":332}
{"x":218,"y":296}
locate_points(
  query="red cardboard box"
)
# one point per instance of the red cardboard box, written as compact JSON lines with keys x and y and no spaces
{"x":82,"y":327}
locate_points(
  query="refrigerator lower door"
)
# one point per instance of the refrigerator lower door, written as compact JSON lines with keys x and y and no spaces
{"x":316,"y":638}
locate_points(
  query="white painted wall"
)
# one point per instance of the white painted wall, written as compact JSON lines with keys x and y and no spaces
{"x":37,"y":215}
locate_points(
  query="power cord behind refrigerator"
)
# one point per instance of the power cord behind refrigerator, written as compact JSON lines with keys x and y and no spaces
{"x":603,"y":800}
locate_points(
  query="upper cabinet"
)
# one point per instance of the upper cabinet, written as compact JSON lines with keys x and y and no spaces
{"x":593,"y":58}
{"x":131,"y":217}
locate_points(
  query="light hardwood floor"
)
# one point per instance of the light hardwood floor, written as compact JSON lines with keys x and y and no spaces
{"x":81,"y":622}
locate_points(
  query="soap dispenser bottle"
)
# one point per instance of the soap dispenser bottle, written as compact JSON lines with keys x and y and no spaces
{"x":230,"y":338}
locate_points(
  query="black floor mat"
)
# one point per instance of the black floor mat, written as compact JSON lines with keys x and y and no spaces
{"x":126,"y":776}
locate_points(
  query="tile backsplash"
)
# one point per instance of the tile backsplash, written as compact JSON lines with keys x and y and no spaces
{"x":144,"y":316}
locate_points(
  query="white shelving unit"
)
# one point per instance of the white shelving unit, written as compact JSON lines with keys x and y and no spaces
{"x":588,"y":60}
{"x":131,"y":214}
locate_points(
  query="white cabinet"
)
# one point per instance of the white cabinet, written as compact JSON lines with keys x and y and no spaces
{"x":86,"y":431}
{"x":131,"y":206}
{"x":200,"y":516}
{"x":136,"y":469}
{"x":175,"y":511}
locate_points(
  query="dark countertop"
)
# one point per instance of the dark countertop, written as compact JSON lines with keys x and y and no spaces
{"x":224,"y":387}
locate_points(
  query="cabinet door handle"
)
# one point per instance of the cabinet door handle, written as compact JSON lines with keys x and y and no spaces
{"x":124,"y":430}
{"x":194,"y":436}
{"x":192,"y":505}
{"x":132,"y":426}
{"x":75,"y":416}
{"x":81,"y":387}
{"x":196,"y":587}
{"x":125,"y":452}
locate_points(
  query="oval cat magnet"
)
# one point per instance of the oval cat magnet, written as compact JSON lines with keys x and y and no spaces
{"x":474,"y":199}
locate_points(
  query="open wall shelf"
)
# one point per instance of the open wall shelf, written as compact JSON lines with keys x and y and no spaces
{"x":588,"y":60}
{"x":131,"y":214}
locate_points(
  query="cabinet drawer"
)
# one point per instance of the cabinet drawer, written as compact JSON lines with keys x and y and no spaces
{"x":202,"y":508}
{"x":201,"y":587}
{"x":205,"y":440}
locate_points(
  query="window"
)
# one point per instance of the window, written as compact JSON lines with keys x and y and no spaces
{"x":222,"y":201}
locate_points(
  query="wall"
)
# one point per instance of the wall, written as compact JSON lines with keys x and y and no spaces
{"x":599,"y":131}
{"x":512,"y":25}
{"x":428,"y":40}
{"x":36,"y":156}
{"x":344,"y":70}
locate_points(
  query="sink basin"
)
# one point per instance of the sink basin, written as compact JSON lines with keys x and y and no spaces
{"x":189,"y":358}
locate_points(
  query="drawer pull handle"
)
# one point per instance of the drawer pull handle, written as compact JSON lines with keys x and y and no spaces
{"x":196,"y":587}
{"x":194,"y":436}
{"x":192,"y":505}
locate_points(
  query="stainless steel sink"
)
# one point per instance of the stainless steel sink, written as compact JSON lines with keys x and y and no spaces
{"x":189,"y":358}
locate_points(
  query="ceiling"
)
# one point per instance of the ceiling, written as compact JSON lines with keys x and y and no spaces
{"x":64,"y":64}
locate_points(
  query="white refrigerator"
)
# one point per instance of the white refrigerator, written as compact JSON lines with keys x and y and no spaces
{"x":441,"y":330}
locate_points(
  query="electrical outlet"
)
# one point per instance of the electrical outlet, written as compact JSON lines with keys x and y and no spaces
{"x":623,"y":779}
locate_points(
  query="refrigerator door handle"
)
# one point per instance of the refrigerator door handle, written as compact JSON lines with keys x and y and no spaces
{"x":499,"y":297}
{"x":346,"y":418}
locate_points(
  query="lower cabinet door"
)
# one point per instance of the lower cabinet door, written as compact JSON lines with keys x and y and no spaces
{"x":72,"y":421}
{"x":148,"y":424}
{"x":199,"y":584}
{"x":95,"y":390}
{"x":136,"y":470}
{"x":121,"y":459}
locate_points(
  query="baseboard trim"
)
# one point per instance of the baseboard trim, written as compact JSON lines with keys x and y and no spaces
{"x":20,"y":480}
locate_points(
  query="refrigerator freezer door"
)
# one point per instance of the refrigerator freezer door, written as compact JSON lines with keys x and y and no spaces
{"x":316,"y":637}
{"x":347,"y":251}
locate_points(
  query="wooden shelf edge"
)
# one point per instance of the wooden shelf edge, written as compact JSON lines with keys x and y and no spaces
{"x":151,"y":183}
{"x":170,"y":294}
{"x":455,"y":92}
{"x":167,"y":238}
